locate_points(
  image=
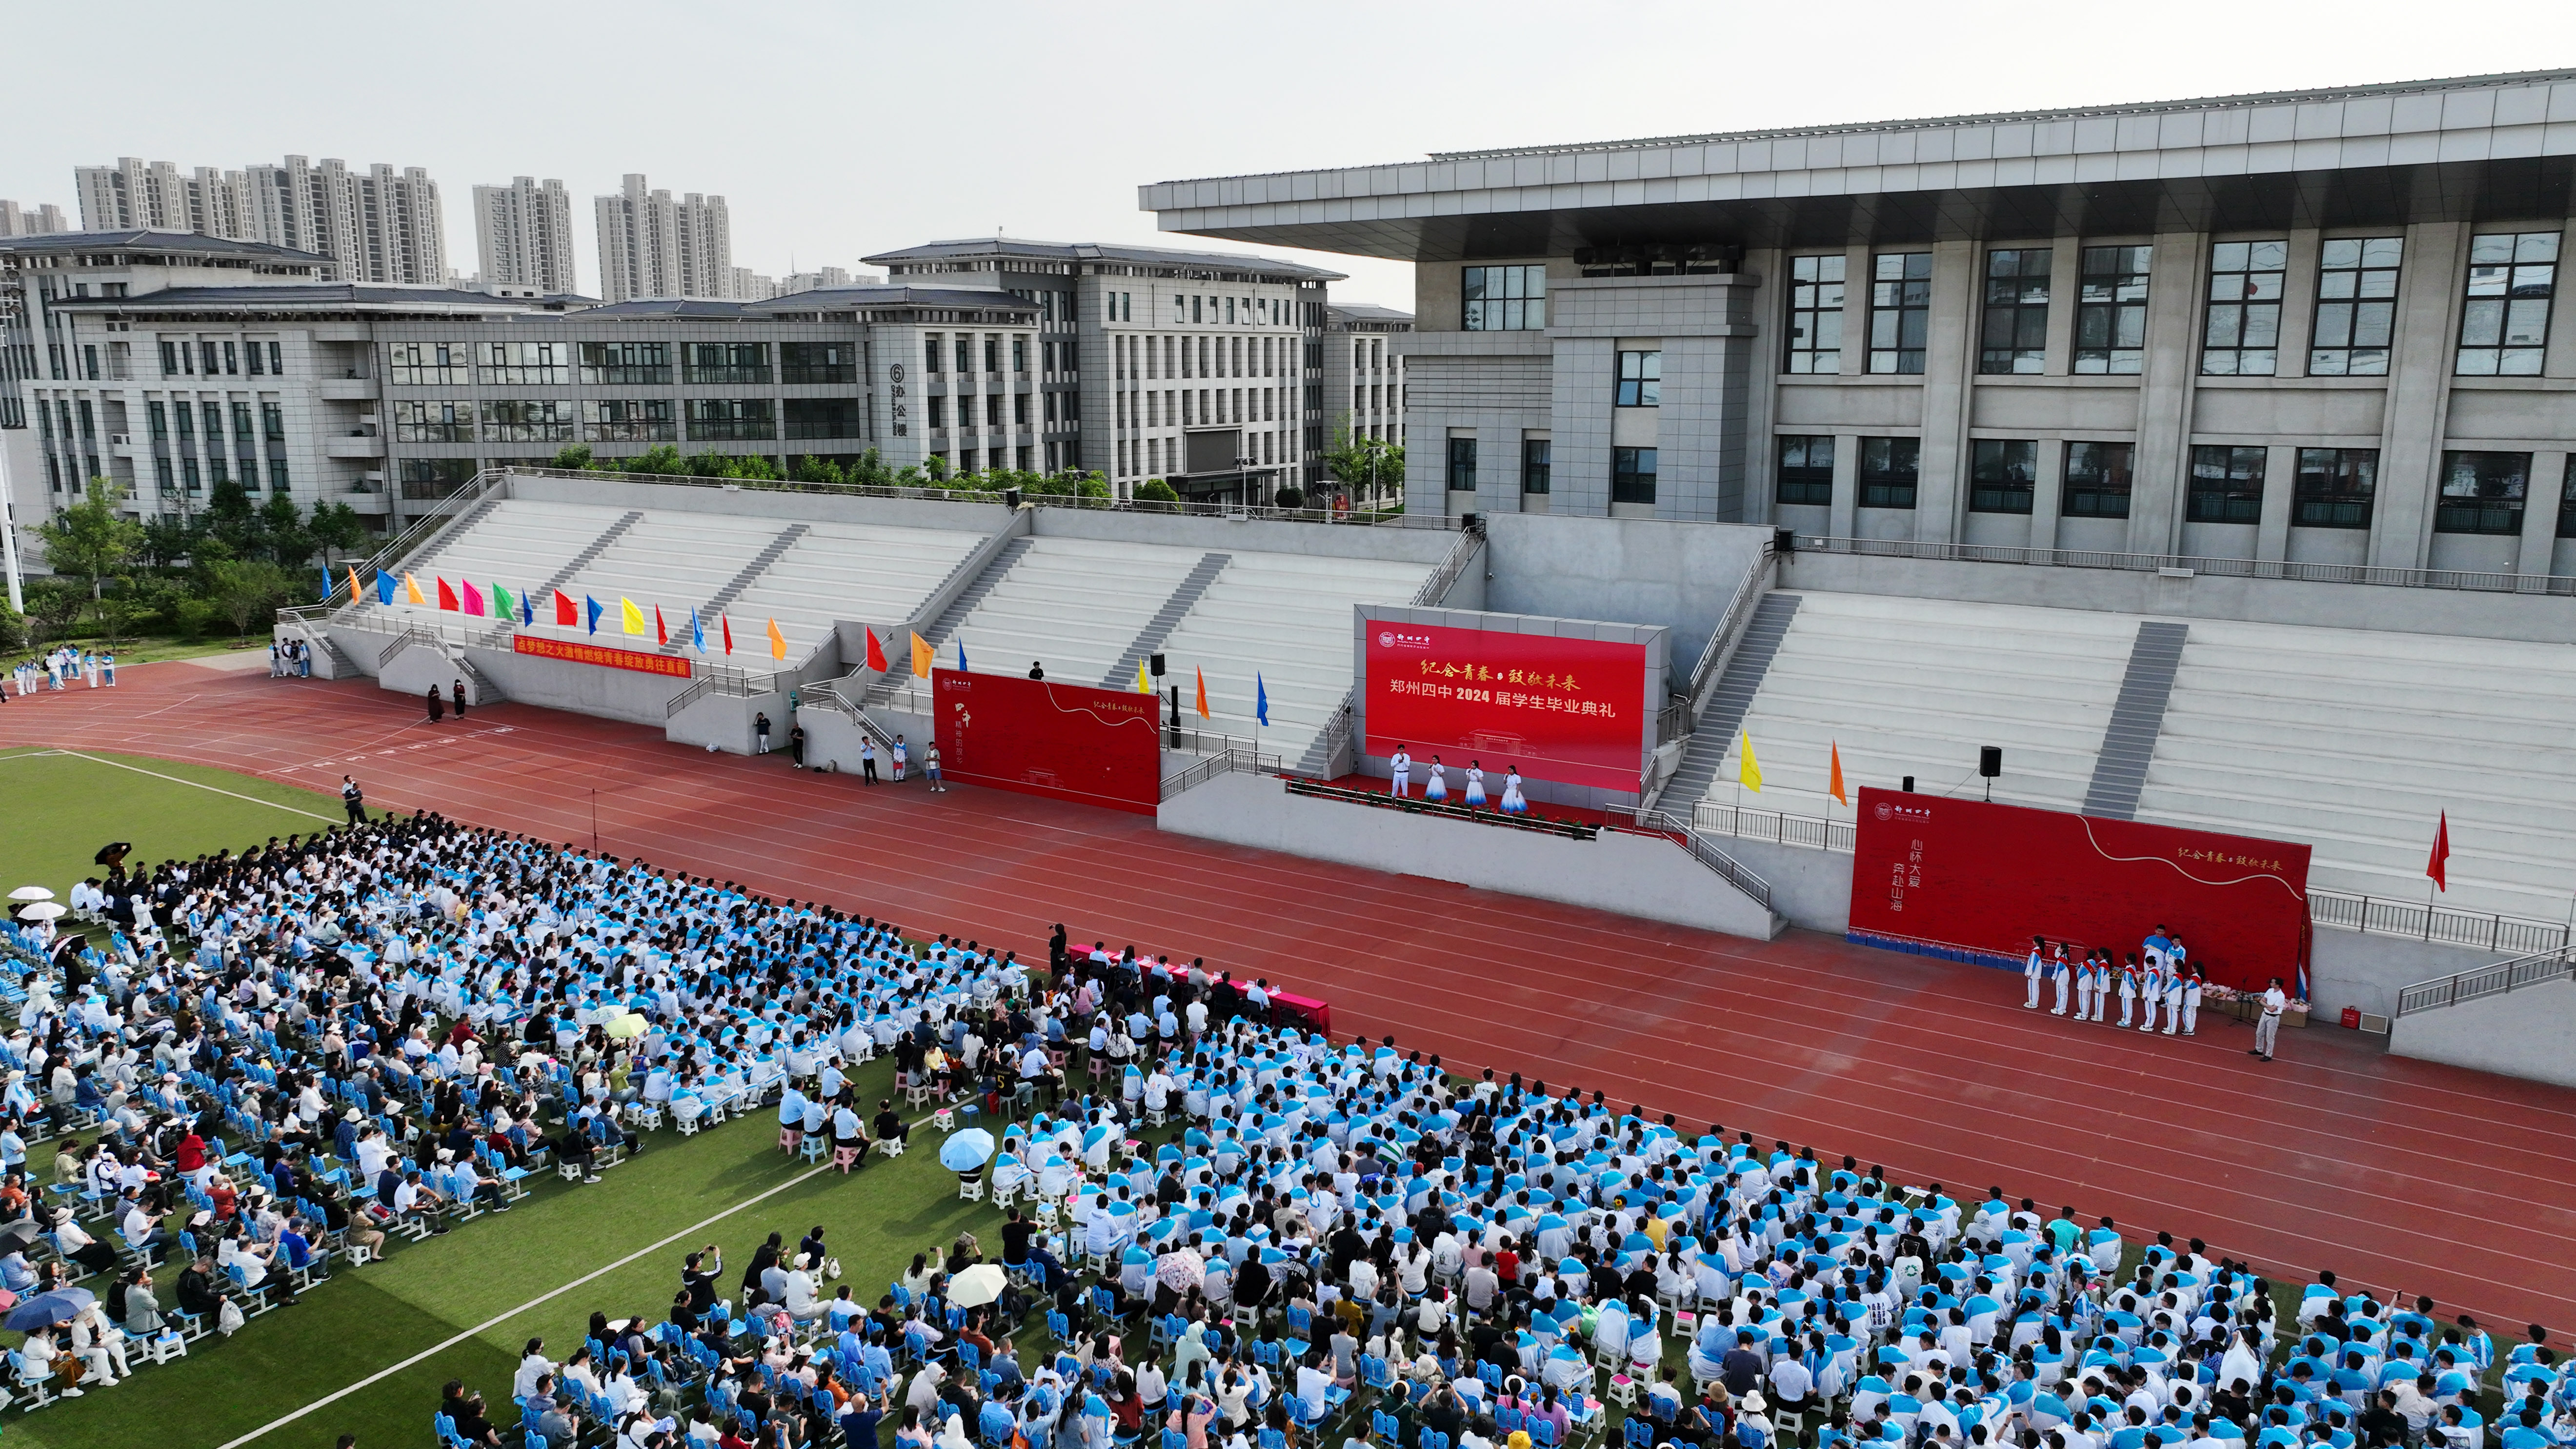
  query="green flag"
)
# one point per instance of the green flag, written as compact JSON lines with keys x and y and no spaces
{"x":501,"y":605}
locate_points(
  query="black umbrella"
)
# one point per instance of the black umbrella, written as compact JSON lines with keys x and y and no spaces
{"x":19,"y":1234}
{"x":112,"y":853}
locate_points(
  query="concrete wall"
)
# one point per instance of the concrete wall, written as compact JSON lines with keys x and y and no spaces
{"x":763,"y":503}
{"x":2538,"y":618}
{"x":1810,"y":887}
{"x":1331,"y":540}
{"x":724,"y":722}
{"x":1680,"y":575}
{"x":589,"y":689}
{"x":417,"y":668}
{"x":1636,"y":875}
{"x":2527,"y":1033}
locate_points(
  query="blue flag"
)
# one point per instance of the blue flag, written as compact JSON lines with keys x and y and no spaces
{"x":697,"y":633}
{"x":329,"y":583}
{"x":384,"y":587}
{"x":961,"y":654}
{"x":527,"y":611}
{"x":593,"y":605}
{"x":1260,"y":698}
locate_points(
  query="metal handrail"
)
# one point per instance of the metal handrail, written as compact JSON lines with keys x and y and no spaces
{"x":828,"y":692}
{"x":2372,"y":915}
{"x":1774,"y":826}
{"x":1736,"y":872}
{"x":2473,"y":580}
{"x":2493,"y":980}
{"x":1338,"y":728}
{"x":1471,"y":536}
{"x":1183,"y":508}
{"x":1730,"y":628}
{"x":1250,"y":762}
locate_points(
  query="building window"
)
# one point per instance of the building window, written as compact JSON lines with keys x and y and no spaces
{"x":1536,"y":464}
{"x":169,"y":359}
{"x":2241,"y":332}
{"x":170,"y":481}
{"x":731,"y":419}
{"x":823,"y":417}
{"x":2334,"y":487}
{"x":425,"y":478}
{"x":2567,"y":502}
{"x":1815,"y":314}
{"x":276,"y":361}
{"x":1900,"y":311}
{"x":272,"y":420}
{"x":1462,"y":465}
{"x":2111,"y":310}
{"x":938,"y":413}
{"x":727,"y":361}
{"x":2482,"y":493}
{"x":2097,"y":480}
{"x":626,"y":364}
{"x":516,"y":421}
{"x":1806,"y":470}
{"x":158,"y":412}
{"x":2015,"y":335}
{"x":930,"y":353}
{"x":2505,"y":321}
{"x":1505,"y":299}
{"x":1889,"y":470}
{"x":965,"y":354}
{"x":416,"y":421}
{"x":629,"y":420}
{"x":1632,"y":475}
{"x":1641,"y":379}
{"x":427,"y":364}
{"x":2003,"y":476}
{"x":2356,"y":306}
{"x":277,"y":474}
{"x":524,"y":364}
{"x":2226,"y":485}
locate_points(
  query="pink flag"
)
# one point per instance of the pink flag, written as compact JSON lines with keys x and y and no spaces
{"x":473,"y":599}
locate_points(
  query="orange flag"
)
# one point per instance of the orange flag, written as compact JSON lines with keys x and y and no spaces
{"x":1203,"y":708}
{"x":1835,"y":786}
{"x":777,"y":641}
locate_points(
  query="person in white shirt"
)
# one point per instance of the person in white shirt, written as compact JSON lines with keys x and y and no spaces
{"x":2030,"y":974}
{"x":1400,"y":770}
{"x":2267,"y":1027}
{"x":2191,"y":1002}
{"x":2175,"y":990}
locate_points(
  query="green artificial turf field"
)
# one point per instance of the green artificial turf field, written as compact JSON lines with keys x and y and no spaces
{"x":61,"y":806}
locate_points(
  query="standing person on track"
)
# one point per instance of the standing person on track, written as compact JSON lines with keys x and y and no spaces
{"x":2151,"y":991}
{"x":760,"y":732}
{"x":2176,"y":988}
{"x":354,"y":798}
{"x":930,"y":767}
{"x":898,"y":759}
{"x":437,"y":705}
{"x":868,"y":758}
{"x":459,"y":694}
{"x":2267,"y":1027}
{"x":2191,"y":1002}
{"x":2129,"y":990}
{"x":107,"y":665}
{"x":2031,"y":970}
{"x":2084,"y":984}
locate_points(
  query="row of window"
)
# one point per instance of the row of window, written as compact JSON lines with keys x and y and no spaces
{"x":1632,"y":470}
{"x":2482,"y":492}
{"x":180,"y":418}
{"x":647,"y":364}
{"x":1164,"y":356}
{"x":175,"y":476}
{"x":625,"y":420}
{"x":181,"y":357}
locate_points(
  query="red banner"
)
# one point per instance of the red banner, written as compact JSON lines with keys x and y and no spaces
{"x":1974,"y":882}
{"x":1569,"y":710}
{"x":576,"y":652}
{"x":1066,"y":741}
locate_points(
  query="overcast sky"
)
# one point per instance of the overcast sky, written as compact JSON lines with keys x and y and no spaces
{"x":837,"y":130}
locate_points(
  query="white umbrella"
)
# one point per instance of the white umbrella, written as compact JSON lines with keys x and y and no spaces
{"x":976,"y":1286}
{"x":31,"y":893}
{"x":42,"y":911}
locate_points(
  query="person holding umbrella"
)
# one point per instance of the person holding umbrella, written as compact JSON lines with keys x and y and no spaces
{"x":965,"y":1154}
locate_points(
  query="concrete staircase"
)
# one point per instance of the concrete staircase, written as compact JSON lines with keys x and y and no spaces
{"x":456,"y":528}
{"x":748,"y":575}
{"x":891,"y":683}
{"x":1184,"y":597}
{"x":598,"y":546}
{"x":2137,"y":718}
{"x":1714,"y":735}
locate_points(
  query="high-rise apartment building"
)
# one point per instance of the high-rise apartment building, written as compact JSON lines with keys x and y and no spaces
{"x":523,"y":235}
{"x":653,"y":246}
{"x":44,"y":220}
{"x":377,"y":226}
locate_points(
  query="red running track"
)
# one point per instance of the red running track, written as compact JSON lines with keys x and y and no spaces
{"x":2402,"y":1175}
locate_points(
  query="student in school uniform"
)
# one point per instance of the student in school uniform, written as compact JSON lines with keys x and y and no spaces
{"x":2030,"y":974}
{"x":2191,"y":1001}
{"x":2129,"y":990}
{"x":2058,"y":974}
{"x":2176,"y":988}
{"x":2151,"y":992}
{"x":2083,"y":986}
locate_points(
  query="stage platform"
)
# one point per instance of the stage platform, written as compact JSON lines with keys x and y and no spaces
{"x":2402,"y":1175}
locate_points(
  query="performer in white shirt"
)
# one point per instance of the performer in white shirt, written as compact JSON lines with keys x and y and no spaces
{"x":2129,"y":991}
{"x":2176,"y":991}
{"x":1400,"y":766}
{"x":2030,"y":973}
{"x":1438,"y":786}
{"x":2151,"y":990}
{"x":1475,"y":784}
{"x":2191,"y":1002}
{"x":1513,"y":804}
{"x":2083,"y":972}
{"x":2267,"y":1027}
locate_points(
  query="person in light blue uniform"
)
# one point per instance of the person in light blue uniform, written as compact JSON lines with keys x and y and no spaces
{"x":2031,"y":970}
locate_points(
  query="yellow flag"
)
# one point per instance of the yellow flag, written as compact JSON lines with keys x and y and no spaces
{"x":777,"y":641}
{"x":1143,"y":685}
{"x":633,"y":616}
{"x":920,"y":657}
{"x":411,"y":590}
{"x":1748,"y":770}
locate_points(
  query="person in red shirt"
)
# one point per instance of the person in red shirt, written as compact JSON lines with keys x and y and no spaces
{"x":190,"y":1158}
{"x":1507,"y":1265}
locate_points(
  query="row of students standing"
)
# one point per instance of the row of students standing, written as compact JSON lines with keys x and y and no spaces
{"x":2158,"y":974}
{"x":64,"y":664}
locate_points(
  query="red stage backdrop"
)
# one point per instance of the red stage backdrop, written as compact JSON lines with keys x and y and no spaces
{"x":1095,"y":746}
{"x":1569,"y":710}
{"x":1974,"y":882}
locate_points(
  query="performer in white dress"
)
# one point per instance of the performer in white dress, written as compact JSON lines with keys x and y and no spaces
{"x":1438,"y":789}
{"x":1475,"y":784}
{"x":1400,"y":765}
{"x":1513,"y":804}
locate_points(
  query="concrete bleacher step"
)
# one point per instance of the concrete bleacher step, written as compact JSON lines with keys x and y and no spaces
{"x":2137,"y":719}
{"x":460,"y":526}
{"x":1742,"y":679}
{"x":744,"y":578}
{"x":944,"y":627}
{"x":598,"y":546}
{"x":1184,"y":597}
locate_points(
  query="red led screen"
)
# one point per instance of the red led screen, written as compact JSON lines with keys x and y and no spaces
{"x":1568,"y":710}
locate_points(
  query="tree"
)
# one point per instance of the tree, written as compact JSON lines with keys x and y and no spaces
{"x":167,"y":541}
{"x":89,"y":539}
{"x":232,"y":518}
{"x":52,"y":605}
{"x":337,"y":528}
{"x":244,"y":589}
{"x":1367,"y":465}
{"x":574,"y":457}
{"x":660,"y":460}
{"x":282,"y":529}
{"x":1155,"y":490}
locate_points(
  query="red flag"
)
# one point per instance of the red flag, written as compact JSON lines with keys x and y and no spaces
{"x":661,"y":635}
{"x":446,"y":596}
{"x":567,"y":613}
{"x":2439,"y":867}
{"x":876,"y":652}
{"x":727,"y":621}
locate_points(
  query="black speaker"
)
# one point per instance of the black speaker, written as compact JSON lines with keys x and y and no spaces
{"x":1011,"y":499}
{"x":1990,"y":761}
{"x":1909,"y":784}
{"x":1467,"y":520}
{"x":1156,"y":665}
{"x":1784,"y":541}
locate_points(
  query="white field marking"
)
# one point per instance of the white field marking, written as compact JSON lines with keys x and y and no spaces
{"x":198,"y":785}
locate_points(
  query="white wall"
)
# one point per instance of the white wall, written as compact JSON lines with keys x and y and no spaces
{"x":2527,"y":1033}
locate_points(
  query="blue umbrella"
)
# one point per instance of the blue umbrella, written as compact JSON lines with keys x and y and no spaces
{"x":47,"y":1309}
{"x":967,"y":1150}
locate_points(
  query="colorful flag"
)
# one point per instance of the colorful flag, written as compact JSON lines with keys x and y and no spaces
{"x":630,"y":617}
{"x":777,"y":642}
{"x":1748,"y":770}
{"x":1260,"y":698}
{"x":446,"y":596}
{"x":2439,"y":867}
{"x":961,"y":654}
{"x":473,"y":597}
{"x":567,"y":613}
{"x":1203,"y":709}
{"x":527,"y":609}
{"x":697,"y":632}
{"x":1143,"y":684}
{"x":921,"y":657}
{"x":591,"y":606}
{"x":1835,"y":787}
{"x":661,"y":635}
{"x":876,"y":651}
{"x":384,"y":587}
{"x":502,"y":608}
{"x":411,"y":590}
{"x":353,"y":583}
{"x":726,"y":621}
